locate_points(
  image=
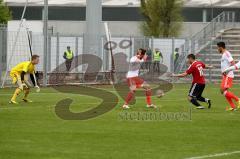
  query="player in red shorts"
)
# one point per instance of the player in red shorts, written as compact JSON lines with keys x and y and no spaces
{"x":198,"y":83}
{"x":227,"y":78}
{"x":134,"y":81}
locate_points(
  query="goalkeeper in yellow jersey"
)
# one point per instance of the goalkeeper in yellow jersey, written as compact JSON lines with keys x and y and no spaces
{"x":20,"y":74}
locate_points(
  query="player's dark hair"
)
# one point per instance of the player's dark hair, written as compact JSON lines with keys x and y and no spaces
{"x":143,"y":51}
{"x":221,"y":44}
{"x":191,"y":56}
{"x":34,"y":57}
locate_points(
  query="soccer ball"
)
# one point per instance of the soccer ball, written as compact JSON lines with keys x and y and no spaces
{"x":159,"y":93}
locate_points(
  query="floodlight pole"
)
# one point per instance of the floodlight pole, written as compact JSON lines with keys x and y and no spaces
{"x":45,"y":43}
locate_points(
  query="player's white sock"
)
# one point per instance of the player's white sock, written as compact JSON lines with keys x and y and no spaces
{"x":125,"y":106}
{"x":206,"y":99}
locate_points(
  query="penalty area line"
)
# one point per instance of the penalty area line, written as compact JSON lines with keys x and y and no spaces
{"x":215,"y":155}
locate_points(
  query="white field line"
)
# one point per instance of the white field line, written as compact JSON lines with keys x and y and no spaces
{"x":215,"y":155}
{"x":9,"y":94}
{"x":10,"y":108}
{"x":37,"y":93}
{"x":19,"y":106}
{"x":113,"y":91}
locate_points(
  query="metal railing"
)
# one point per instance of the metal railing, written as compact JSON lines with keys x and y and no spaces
{"x":210,"y":31}
{"x":206,"y":36}
{"x":123,"y":48}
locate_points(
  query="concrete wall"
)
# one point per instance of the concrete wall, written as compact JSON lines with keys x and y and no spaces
{"x":120,"y":28}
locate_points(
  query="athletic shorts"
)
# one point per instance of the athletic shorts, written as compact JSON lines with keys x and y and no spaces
{"x":196,"y":90}
{"x":135,"y":81}
{"x":226,"y":82}
{"x":15,"y":77}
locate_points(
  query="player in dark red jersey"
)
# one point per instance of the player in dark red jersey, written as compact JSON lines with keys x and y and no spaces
{"x":198,"y":83}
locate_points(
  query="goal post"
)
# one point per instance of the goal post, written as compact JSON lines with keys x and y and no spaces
{"x":14,"y":44}
{"x":109,"y":42}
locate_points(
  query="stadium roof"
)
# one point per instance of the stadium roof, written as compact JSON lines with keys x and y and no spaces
{"x":128,"y":3}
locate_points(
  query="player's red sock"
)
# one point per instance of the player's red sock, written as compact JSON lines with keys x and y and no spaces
{"x":229,"y":99}
{"x":231,"y":95}
{"x":230,"y":102}
{"x":148,"y":97}
{"x":129,"y":97}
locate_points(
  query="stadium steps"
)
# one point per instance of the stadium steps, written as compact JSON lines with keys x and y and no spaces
{"x":232,"y":39}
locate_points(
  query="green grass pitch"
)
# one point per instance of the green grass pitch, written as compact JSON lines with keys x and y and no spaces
{"x":33,"y":131}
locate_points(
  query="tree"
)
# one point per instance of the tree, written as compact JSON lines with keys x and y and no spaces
{"x":5,"y":14}
{"x":162,"y":17}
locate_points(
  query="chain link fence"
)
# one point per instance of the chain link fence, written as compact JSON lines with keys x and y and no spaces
{"x":204,"y":43}
{"x":96,"y":68}
{"x":123,"y":48}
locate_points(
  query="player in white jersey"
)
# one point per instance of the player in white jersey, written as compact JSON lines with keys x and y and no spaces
{"x":134,"y":81}
{"x":232,"y":68}
{"x":227,"y":78}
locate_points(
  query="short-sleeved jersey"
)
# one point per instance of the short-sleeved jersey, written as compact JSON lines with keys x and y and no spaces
{"x":26,"y":66}
{"x":134,"y":67}
{"x":196,"y":69}
{"x":226,"y":62}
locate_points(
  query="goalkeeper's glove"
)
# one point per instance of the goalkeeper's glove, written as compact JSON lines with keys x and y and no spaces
{"x":37,"y":88}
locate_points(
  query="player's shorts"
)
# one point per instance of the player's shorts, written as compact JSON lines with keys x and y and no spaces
{"x":196,"y":90}
{"x":135,"y":81}
{"x":15,"y":77}
{"x":226,"y":82}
